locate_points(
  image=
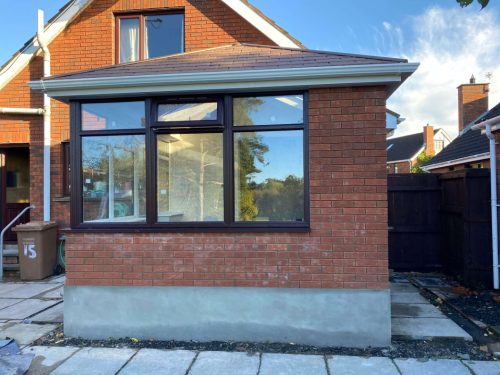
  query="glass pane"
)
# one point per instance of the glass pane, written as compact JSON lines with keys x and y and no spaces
{"x":190,"y":177}
{"x":110,"y":116}
{"x":129,"y":39}
{"x":114,"y":179}
{"x":163,"y":35}
{"x":268,"y":110}
{"x":17,"y":175}
{"x":269,"y":176}
{"x":187,"y":112}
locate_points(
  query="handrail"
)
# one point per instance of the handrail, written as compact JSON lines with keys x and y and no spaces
{"x":3,"y":232}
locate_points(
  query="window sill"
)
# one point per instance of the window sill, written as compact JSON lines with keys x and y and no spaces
{"x":305,"y":228}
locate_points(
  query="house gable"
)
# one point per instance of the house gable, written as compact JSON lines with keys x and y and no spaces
{"x":207,"y":24}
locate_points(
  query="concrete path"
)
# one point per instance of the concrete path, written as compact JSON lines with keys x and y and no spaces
{"x":104,"y":361}
{"x":415,"y":318}
{"x":30,"y":310}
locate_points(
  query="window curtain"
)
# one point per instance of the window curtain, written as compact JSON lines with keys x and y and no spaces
{"x":129,"y":40}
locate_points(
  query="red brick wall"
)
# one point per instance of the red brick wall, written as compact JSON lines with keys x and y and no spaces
{"x":89,"y":42}
{"x":347,"y":244}
{"x":402,"y":167}
{"x":472,"y":102}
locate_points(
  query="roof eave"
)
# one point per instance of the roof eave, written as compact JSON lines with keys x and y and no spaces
{"x":391,"y":75}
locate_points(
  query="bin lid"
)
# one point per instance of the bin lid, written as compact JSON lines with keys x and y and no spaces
{"x":34,"y":226}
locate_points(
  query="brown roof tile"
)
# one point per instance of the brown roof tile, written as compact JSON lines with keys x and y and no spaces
{"x":231,"y":58}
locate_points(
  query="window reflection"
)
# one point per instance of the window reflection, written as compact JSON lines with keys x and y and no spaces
{"x":114,"y":188}
{"x":268,"y":110}
{"x":269,"y":176}
{"x":110,"y":116}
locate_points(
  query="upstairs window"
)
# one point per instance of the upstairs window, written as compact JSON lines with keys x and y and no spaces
{"x":146,"y":36}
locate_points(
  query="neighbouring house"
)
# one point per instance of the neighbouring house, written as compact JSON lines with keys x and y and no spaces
{"x":403,"y":152}
{"x":393,"y":119}
{"x":221,"y":181}
{"x":470,"y":149}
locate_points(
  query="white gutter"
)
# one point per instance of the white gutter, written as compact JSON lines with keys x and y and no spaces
{"x":391,"y":73}
{"x":40,"y":35}
{"x":21,"y":111}
{"x":487,"y":124}
{"x":449,"y":163}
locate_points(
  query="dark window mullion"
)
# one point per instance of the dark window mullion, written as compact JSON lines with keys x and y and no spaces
{"x":151,"y":196}
{"x":228,"y":166}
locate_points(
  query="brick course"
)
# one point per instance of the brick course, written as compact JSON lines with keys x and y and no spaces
{"x":347,"y":245}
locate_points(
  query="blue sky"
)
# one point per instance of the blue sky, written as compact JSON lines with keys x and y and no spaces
{"x":451,"y":43}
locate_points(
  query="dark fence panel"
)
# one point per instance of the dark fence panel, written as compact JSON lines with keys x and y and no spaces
{"x":466,"y":226}
{"x":414,"y":223}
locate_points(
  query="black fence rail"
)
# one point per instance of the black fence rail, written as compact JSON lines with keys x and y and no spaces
{"x":441,"y":222}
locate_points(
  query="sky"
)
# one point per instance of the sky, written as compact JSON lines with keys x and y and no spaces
{"x":449,"y":42}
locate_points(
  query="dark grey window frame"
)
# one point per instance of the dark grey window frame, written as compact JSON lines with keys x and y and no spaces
{"x":153,"y":127}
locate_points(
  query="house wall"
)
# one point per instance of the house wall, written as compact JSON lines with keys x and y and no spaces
{"x":89,"y":42}
{"x":458,"y":167}
{"x":338,"y":271}
{"x":402,"y":167}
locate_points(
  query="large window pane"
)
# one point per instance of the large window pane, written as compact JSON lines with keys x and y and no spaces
{"x":111,"y":116}
{"x":163,"y":35}
{"x":187,"y":112}
{"x":114,"y":188}
{"x":269,"y":176}
{"x":190,"y":177}
{"x":129,"y":40}
{"x":268,"y":110}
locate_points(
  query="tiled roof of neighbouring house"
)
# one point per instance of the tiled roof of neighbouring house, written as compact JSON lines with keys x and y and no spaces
{"x":234,"y":57}
{"x":406,"y":147}
{"x":468,"y":144}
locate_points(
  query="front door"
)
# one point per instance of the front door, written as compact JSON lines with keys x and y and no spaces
{"x":14,"y":186}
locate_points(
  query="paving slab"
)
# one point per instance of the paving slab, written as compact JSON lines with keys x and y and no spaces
{"x":403,"y":288}
{"x":54,"y":314}
{"x":347,"y":365}
{"x":398,"y":297}
{"x":25,"y":334}
{"x":426,"y":328}
{"x":292,"y":364}
{"x":224,"y":363}
{"x":47,"y":358}
{"x":54,"y":294}
{"x":26,"y":308}
{"x":6,"y":288}
{"x":57,"y":279}
{"x":431,"y":281}
{"x":28,"y":290}
{"x":6,"y":302}
{"x":415,"y":310}
{"x":431,"y":367}
{"x":484,"y":367}
{"x":155,"y":361}
{"x":95,"y":361}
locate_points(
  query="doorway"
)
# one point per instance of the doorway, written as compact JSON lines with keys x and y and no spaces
{"x":14,"y":186}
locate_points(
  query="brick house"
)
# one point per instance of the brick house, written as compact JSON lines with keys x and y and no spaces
{"x":470,"y":149}
{"x":403,"y":152}
{"x":225,"y":184}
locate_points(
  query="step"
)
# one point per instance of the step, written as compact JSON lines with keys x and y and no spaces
{"x":11,"y":267}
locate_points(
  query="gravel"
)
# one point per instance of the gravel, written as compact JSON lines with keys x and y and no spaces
{"x":449,"y":349}
{"x":482,"y":307}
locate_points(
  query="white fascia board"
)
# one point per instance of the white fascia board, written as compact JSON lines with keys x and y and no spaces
{"x":261,"y":23}
{"x":467,"y":159}
{"x":232,"y":80}
{"x":52,"y":30}
{"x":399,"y":161}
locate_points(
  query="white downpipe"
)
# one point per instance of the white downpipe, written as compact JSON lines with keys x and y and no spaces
{"x":494,"y":205}
{"x":493,"y":186}
{"x":46,"y":118}
{"x":21,"y":111}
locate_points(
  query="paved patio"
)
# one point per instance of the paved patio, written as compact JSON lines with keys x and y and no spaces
{"x":29,"y":310}
{"x":104,"y":361}
{"x":414,"y":317}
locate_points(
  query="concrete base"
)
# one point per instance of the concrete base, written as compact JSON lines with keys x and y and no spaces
{"x":321,"y":317}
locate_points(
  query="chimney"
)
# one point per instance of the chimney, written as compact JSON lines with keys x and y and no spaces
{"x":472,"y":101}
{"x":429,"y":140}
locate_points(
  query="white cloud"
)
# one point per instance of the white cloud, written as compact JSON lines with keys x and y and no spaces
{"x":451,"y":45}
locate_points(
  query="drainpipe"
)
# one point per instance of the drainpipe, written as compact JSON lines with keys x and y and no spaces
{"x":493,"y":186}
{"x":40,"y":35}
{"x":21,"y":111}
